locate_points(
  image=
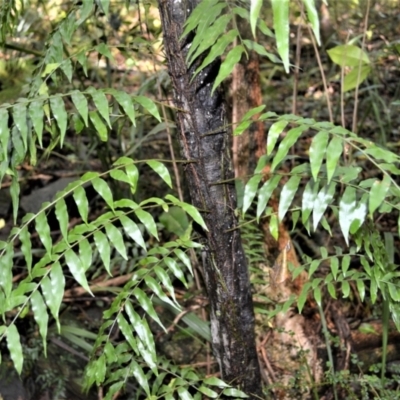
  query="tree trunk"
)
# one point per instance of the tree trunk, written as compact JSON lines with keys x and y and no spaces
{"x":205,"y":143}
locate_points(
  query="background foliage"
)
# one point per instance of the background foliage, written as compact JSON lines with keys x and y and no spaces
{"x":83,"y":91}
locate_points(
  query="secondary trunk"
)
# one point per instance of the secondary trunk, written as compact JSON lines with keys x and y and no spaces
{"x":205,"y":143}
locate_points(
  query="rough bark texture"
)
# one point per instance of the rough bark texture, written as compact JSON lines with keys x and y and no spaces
{"x":205,"y":143}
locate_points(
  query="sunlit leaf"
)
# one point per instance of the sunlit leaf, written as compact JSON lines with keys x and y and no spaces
{"x":77,"y":270}
{"x":40,"y":315}
{"x":321,"y":202}
{"x":102,"y":188}
{"x":348,"y":55}
{"x":133,"y":231}
{"x":288,"y":192}
{"x":58,"y":109}
{"x":115,"y":237}
{"x":15,"y":348}
{"x":280,"y":9}
{"x":36,"y":115}
{"x":101,"y":103}
{"x":313,"y":17}
{"x":99,"y":125}
{"x":356,"y":77}
{"x":43,"y":230}
{"x":317,"y":152}
{"x":333,"y":153}
{"x":232,"y":58}
{"x":346,"y":209}
{"x":81,"y":105}
{"x":290,"y":139}
{"x":255,"y":6}
{"x":125,"y":101}
{"x":265,"y":193}
{"x":273,"y":134}
{"x":250,"y":191}
{"x":161,"y":170}
{"x":218,"y":49}
{"x":148,"y":105}
{"x":103,"y":246}
{"x":378,"y":193}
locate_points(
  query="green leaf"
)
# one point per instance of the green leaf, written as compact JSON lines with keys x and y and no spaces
{"x":81,"y":105}
{"x":43,"y":230}
{"x":191,"y":210}
{"x":99,"y":125}
{"x":127,"y":332}
{"x":197,"y":15}
{"x":53,"y":290}
{"x":212,"y":34}
{"x":333,"y":153}
{"x":14,"y":191}
{"x":81,"y":202}
{"x":101,"y":103}
{"x":15,"y":348}
{"x":103,"y":49}
{"x":148,"y":105}
{"x":6,"y":265}
{"x":208,"y":392}
{"x":259,"y":49}
{"x":102,"y":188}
{"x":185,"y":259}
{"x":184,"y":394}
{"x":318,"y":296}
{"x":361,"y":288}
{"x":356,"y":77}
{"x":314,"y":266}
{"x":331,"y":290}
{"x":20,"y":120}
{"x":348,"y":55}
{"x":214,"y":381}
{"x":133,"y":231}
{"x":378,"y":193}
{"x":321,"y":202}
{"x":231,"y":392}
{"x":146,"y":305}
{"x":317,"y":152}
{"x":161,"y":170}
{"x":232,"y":58}
{"x":218,"y":49}
{"x":280,"y":9}
{"x":26,"y":247}
{"x":287,"y":195}
{"x":255,"y":6}
{"x":105,"y":4}
{"x":77,"y":270}
{"x":345,"y":289}
{"x":345,"y":264}
{"x":142,"y":329}
{"x":103,"y":246}
{"x":4,"y":132}
{"x":36,"y":115}
{"x":273,"y":134}
{"x":40,"y":315}
{"x":334,"y":267}
{"x":175,"y":268}
{"x":250,"y":191}
{"x":382,"y":154}
{"x":309,"y":196}
{"x":60,"y":115}
{"x":346,"y":210}
{"x":265,"y":193}
{"x":360,"y":212}
{"x":125,"y":101}
{"x":62,"y":216}
{"x":156,"y":288}
{"x":115,"y":237}
{"x":313,"y":17}
{"x":133,"y":175}
{"x":290,"y":139}
{"x":274,"y":226}
{"x":148,"y":221}
{"x":164,"y":278}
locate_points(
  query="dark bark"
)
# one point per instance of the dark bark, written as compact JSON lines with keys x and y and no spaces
{"x":205,"y":143}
